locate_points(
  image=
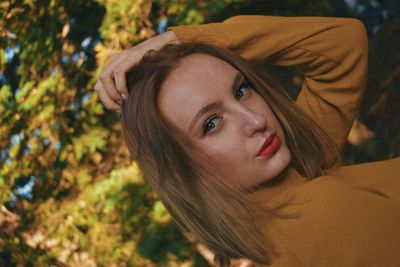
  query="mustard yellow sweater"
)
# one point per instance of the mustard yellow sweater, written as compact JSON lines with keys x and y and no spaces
{"x":352,"y":216}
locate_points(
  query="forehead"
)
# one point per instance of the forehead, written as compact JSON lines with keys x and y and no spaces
{"x":198,"y":80}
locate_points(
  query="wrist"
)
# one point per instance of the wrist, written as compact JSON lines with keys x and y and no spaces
{"x":171,"y":37}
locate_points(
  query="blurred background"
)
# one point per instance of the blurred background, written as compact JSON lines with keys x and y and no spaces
{"x":69,"y":195}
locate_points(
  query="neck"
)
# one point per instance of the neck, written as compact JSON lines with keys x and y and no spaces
{"x":279,"y":184}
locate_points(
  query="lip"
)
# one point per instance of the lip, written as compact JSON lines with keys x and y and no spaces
{"x":270,"y":146}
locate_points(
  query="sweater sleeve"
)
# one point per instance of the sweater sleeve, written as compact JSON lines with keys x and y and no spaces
{"x":332,"y":53}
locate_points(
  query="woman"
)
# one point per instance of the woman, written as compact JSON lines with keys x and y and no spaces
{"x":239,"y":165}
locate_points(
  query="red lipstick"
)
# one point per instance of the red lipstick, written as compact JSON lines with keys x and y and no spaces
{"x":270,"y":146}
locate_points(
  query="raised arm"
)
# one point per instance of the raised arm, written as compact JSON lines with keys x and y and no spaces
{"x":332,"y":53}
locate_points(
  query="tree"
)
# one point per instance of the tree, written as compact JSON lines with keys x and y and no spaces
{"x":68,"y":190}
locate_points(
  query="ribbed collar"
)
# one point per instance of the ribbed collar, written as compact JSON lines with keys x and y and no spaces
{"x":289,"y":179}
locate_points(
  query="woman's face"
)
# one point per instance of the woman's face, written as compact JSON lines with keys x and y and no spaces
{"x":210,"y":101}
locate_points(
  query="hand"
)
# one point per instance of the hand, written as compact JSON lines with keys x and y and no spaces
{"x":241,"y":263}
{"x":111,"y":86}
{"x":209,"y":256}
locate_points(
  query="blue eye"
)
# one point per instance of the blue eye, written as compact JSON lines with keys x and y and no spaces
{"x":241,"y":91}
{"x":210,"y":124}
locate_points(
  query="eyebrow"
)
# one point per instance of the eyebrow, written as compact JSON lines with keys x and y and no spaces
{"x":214,"y":105}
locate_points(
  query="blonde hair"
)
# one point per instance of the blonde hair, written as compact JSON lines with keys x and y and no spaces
{"x":219,"y":215}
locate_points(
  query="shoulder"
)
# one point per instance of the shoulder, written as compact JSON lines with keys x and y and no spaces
{"x":334,"y":199}
{"x":341,"y":225}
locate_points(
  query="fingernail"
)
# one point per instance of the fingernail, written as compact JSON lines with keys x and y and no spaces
{"x":124,"y":96}
{"x":119,"y":111}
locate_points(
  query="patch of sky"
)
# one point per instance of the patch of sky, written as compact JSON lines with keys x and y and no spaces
{"x":85,"y":98}
{"x":36,"y":132}
{"x":16,"y":138}
{"x":77,"y":56}
{"x":360,"y":9}
{"x":57,"y":146}
{"x":83,"y":55}
{"x":374,"y":3}
{"x":162,"y":26}
{"x":11,"y":35}
{"x":73,"y":106}
{"x":65,"y":59}
{"x":385,"y":14}
{"x":3,"y":78}
{"x":13,"y":197}
{"x":54,"y":72}
{"x":10,"y":52}
{"x":28,"y":149}
{"x":10,"y":205}
{"x":26,"y":190}
{"x":351,"y":3}
{"x":3,"y":154}
{"x":46,"y":141}
{"x":17,"y":91}
{"x":375,"y":29}
{"x":86,"y":42}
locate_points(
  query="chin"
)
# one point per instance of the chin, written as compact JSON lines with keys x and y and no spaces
{"x":279,"y":162}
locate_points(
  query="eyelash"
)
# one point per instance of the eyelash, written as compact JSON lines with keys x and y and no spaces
{"x":214,"y":116}
{"x":208,"y":121}
{"x":243,"y":85}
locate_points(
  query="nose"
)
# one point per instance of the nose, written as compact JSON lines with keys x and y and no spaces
{"x":251,"y":122}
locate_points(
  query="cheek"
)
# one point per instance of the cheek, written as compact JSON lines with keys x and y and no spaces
{"x":225,"y":143}
{"x":226,"y":153}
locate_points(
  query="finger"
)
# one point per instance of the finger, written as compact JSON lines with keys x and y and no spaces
{"x":114,"y":57}
{"x":246,"y":263}
{"x":235,"y":263}
{"x":97,"y":86}
{"x":107,"y":82}
{"x":120,"y":82}
{"x":105,"y":98}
